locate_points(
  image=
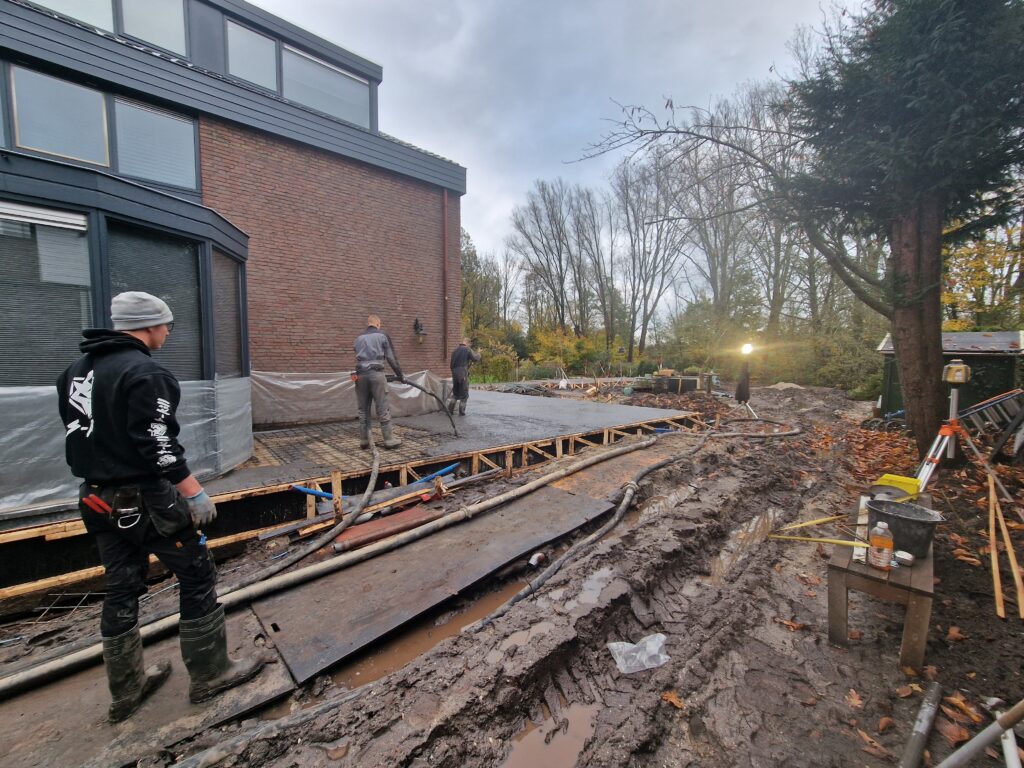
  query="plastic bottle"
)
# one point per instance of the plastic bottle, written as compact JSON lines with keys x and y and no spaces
{"x":880,"y":547}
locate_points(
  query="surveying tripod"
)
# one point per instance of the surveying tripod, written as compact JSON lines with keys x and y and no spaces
{"x":945,"y":441}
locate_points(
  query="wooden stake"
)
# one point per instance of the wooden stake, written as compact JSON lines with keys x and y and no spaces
{"x":336,"y":493}
{"x":994,"y":549}
{"x":1011,"y":555}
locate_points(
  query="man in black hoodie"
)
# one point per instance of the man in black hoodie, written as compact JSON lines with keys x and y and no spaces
{"x":139,"y":497}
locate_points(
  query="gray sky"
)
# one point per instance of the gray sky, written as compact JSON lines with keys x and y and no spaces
{"x":515,"y":89}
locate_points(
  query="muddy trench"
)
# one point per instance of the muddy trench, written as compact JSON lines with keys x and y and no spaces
{"x":539,"y":686}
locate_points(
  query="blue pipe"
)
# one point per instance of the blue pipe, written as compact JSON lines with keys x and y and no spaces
{"x":325,"y":495}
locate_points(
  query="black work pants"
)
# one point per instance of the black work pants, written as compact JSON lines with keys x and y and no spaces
{"x":125,"y":549}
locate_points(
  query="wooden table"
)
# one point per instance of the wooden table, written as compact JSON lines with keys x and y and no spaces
{"x":912,"y":587}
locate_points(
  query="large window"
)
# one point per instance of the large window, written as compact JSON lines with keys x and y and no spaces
{"x":168,"y":267}
{"x":153,"y":144}
{"x":227,"y":324}
{"x":318,"y":85}
{"x":161,"y":22}
{"x":58,"y":117}
{"x":68,"y":120}
{"x":45,"y":290}
{"x":251,"y":56}
{"x":98,"y":13}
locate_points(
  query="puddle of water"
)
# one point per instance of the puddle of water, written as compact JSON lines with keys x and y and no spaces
{"x":417,"y":638}
{"x":741,"y":542}
{"x":556,"y":742}
{"x":590,"y":592}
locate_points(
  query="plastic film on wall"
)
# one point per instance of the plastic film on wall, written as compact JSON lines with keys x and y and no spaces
{"x":216,"y":430}
{"x":306,"y":398}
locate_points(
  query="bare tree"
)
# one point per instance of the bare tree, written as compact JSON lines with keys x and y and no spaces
{"x":595,"y":233}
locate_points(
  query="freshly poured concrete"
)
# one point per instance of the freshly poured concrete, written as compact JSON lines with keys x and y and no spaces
{"x":493,"y":419}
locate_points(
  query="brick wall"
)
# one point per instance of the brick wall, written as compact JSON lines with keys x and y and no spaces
{"x":332,"y":240}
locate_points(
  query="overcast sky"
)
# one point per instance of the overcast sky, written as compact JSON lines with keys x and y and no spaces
{"x":515,"y":90}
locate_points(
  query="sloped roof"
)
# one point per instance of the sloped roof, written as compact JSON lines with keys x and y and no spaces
{"x":972,"y":343}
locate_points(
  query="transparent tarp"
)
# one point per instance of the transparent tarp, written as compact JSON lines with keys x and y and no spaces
{"x":309,"y":398}
{"x":216,"y":430}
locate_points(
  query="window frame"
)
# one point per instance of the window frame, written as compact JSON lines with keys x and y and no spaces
{"x":343,"y":72}
{"x":278,"y":75}
{"x":116,"y":164}
{"x":14,"y":141}
{"x":122,"y":32}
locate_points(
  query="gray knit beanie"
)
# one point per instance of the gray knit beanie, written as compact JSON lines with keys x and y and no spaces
{"x":132,"y":310}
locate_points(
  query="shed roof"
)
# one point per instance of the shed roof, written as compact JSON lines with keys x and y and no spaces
{"x":972,"y":343}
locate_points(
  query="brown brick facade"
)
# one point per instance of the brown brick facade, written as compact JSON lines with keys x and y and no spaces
{"x":332,"y":240}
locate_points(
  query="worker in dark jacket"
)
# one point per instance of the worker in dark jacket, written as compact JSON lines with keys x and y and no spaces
{"x":374,"y":348}
{"x":462,"y":358}
{"x":139,"y":497}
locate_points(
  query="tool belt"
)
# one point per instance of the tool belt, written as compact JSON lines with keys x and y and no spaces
{"x":121,"y":504}
{"x":125,"y":506}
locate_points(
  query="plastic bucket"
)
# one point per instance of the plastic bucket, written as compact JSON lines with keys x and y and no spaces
{"x":912,"y":526}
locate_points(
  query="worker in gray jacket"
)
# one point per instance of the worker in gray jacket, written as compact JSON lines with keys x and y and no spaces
{"x":462,"y":358}
{"x":374,"y":348}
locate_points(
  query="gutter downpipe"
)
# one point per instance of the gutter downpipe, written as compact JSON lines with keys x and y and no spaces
{"x":444,"y":274}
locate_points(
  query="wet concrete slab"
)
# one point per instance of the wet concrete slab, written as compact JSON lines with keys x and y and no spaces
{"x":64,"y":723}
{"x":358,"y":605}
{"x":494,"y":419}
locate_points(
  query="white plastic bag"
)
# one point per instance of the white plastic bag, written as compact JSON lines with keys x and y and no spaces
{"x":646,"y":654}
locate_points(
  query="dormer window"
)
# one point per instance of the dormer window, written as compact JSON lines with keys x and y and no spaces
{"x":317,"y":84}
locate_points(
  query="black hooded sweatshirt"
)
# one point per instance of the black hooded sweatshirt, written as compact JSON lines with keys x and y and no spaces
{"x":118,"y":405}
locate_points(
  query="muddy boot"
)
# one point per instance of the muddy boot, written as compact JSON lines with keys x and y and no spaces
{"x":204,"y":649}
{"x":129,"y":683}
{"x":388,"y":432}
{"x":462,"y":407}
{"x":364,"y":434}
{"x":451,"y":404}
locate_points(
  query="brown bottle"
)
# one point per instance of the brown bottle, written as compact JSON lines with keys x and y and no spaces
{"x":880,"y":547}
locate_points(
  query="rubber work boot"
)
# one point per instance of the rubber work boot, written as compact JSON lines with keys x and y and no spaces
{"x":204,"y":649}
{"x":462,"y":407}
{"x":390,"y":441}
{"x":451,"y":404}
{"x":129,"y":683}
{"x":364,"y":434}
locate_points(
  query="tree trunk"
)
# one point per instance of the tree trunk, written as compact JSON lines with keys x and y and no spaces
{"x":916,"y":244}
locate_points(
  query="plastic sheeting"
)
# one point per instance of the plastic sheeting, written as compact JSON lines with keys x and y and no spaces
{"x":309,"y":398}
{"x":216,"y":430}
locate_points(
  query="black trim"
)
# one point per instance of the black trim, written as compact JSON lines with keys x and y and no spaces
{"x":6,"y":118}
{"x":47,"y":182}
{"x":243,"y":296}
{"x":131,"y":70}
{"x":208,"y":361}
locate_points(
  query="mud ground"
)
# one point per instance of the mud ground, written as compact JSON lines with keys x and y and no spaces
{"x":751,"y":681}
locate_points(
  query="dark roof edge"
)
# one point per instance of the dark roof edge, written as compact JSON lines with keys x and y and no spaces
{"x":291,"y":33}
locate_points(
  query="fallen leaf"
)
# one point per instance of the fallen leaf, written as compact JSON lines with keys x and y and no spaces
{"x":955,"y":715}
{"x":810,"y":701}
{"x":810,"y":593}
{"x":916,"y":688}
{"x":874,"y":748}
{"x":958,"y":701}
{"x":777,"y":567}
{"x":855,"y":634}
{"x":673,"y":698}
{"x":809,"y":578}
{"x":971,"y":675}
{"x":953,"y":732}
{"x":792,"y":626}
{"x":931,"y":671}
{"x":821,"y":551}
{"x":955,"y":635}
{"x":904,"y":691}
{"x":854,"y":700}
{"x":909,"y":671}
{"x":993,"y":754}
{"x":885,"y":724}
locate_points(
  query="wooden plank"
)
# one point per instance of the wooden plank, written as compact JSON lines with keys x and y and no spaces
{"x":533,"y":447}
{"x":336,"y":493}
{"x":358,"y":605}
{"x":488,"y":462}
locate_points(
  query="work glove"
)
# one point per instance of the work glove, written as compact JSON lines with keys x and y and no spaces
{"x":202,"y":508}
{"x":400,"y":378}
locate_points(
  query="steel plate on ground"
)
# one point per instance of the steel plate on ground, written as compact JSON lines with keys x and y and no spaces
{"x":64,"y":723}
{"x":320,"y":623}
